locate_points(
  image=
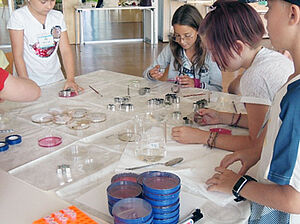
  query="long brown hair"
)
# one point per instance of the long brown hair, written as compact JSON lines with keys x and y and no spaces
{"x":188,"y":15}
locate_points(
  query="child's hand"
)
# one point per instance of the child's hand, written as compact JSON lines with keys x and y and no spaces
{"x":155,"y":73}
{"x":185,"y":81}
{"x":208,"y":116}
{"x":223,"y":180}
{"x":187,"y":135}
{"x":71,"y":84}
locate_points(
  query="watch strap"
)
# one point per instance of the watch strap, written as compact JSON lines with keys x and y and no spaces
{"x":239,"y":186}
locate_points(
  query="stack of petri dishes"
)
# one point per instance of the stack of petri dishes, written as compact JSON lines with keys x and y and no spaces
{"x":161,"y":190}
{"x":120,"y":190}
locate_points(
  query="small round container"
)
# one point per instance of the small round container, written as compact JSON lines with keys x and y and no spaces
{"x":132,"y":210}
{"x":161,"y":203}
{"x":67,"y":93}
{"x":3,"y":146}
{"x":61,"y":119}
{"x":13,"y":139}
{"x":166,"y":215}
{"x":161,"y":183}
{"x":79,"y":124}
{"x":111,"y":107}
{"x":41,"y":118}
{"x":56,"y":111}
{"x":78,"y":113}
{"x":167,"y":221}
{"x":166,"y":209}
{"x":50,"y":141}
{"x":126,"y":107}
{"x":141,"y":177}
{"x":96,"y":117}
{"x":123,"y":189}
{"x":128,"y":136}
{"x":132,"y":177}
{"x":152,"y":196}
{"x":176,"y":115}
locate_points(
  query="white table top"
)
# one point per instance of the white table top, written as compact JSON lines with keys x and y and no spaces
{"x":101,"y":154}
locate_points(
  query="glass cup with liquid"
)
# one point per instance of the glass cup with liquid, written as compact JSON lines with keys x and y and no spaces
{"x":151,"y":146}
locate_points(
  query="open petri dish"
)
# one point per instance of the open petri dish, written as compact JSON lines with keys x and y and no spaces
{"x":50,"y":141}
{"x":61,"y":119}
{"x":78,"y":113}
{"x":124,"y":177}
{"x":96,"y":117}
{"x":128,"y":136}
{"x":79,"y":124}
{"x":123,"y":189}
{"x":41,"y":118}
{"x":161,"y":183}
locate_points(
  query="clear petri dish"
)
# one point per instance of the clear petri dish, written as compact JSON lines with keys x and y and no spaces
{"x":78,"y":113}
{"x":41,"y":118}
{"x":56,"y":111}
{"x":79,"y":124}
{"x":61,"y":119}
{"x":50,"y":141}
{"x":128,"y":136}
{"x":132,"y":210}
{"x":96,"y":117}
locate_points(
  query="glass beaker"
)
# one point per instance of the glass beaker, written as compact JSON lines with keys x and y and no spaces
{"x":151,"y":146}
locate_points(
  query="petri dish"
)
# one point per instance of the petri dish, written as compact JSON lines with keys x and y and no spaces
{"x":132,"y":210}
{"x":128,"y":136}
{"x":41,"y":118}
{"x":61,"y":119}
{"x":141,"y":177}
{"x":161,"y":183}
{"x":56,"y":111}
{"x":50,"y":141}
{"x":132,"y":177}
{"x":123,"y":189}
{"x":96,"y":117}
{"x":78,"y":113}
{"x":79,"y":124}
{"x":161,"y":203}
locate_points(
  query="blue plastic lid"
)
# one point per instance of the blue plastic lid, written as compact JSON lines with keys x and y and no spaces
{"x":165,"y":209}
{"x":123,"y":189}
{"x":132,"y":210}
{"x":132,"y":177}
{"x":161,"y":183}
{"x":167,"y":221}
{"x":166,"y":215}
{"x":13,"y":139}
{"x":161,"y":202}
{"x":3,"y":146}
{"x":162,"y":196}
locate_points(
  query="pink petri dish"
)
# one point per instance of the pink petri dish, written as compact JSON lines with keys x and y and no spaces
{"x":161,"y":183}
{"x":51,"y":141}
{"x":123,"y":189}
{"x":132,"y":177}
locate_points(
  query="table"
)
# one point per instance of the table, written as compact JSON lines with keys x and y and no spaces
{"x":95,"y":154}
{"x":150,"y":31}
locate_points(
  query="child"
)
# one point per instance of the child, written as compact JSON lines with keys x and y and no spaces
{"x":36,"y":32}
{"x":276,"y":196}
{"x":233,"y":33}
{"x":186,"y":59}
{"x":17,"y":89}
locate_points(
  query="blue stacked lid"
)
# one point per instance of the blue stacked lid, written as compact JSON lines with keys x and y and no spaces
{"x":161,"y":190}
{"x":120,"y":190}
{"x":132,"y":211}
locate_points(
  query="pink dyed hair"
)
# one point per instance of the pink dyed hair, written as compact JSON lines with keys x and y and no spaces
{"x":227,"y":22}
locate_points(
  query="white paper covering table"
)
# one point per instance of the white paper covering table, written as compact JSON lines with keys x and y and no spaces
{"x":95,"y":154}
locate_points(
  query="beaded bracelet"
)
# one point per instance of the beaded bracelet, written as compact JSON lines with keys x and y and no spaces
{"x":211,"y":141}
{"x":238,"y":120}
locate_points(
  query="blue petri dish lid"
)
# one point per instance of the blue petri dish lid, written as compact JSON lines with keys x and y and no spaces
{"x":171,"y":220}
{"x":166,"y":215}
{"x":143,"y":175}
{"x":123,"y":189}
{"x":132,"y":210}
{"x":161,"y":202}
{"x":161,"y":183}
{"x":165,"y":209}
{"x":132,"y":177}
{"x":162,"y":196}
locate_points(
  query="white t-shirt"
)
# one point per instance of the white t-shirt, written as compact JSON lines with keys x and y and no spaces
{"x":266,"y":75}
{"x":40,"y":44}
{"x":280,"y":157}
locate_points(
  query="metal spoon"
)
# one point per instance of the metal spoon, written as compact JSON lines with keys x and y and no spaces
{"x":171,"y":162}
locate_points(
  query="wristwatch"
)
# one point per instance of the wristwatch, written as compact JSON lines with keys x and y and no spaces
{"x":239,"y":186}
